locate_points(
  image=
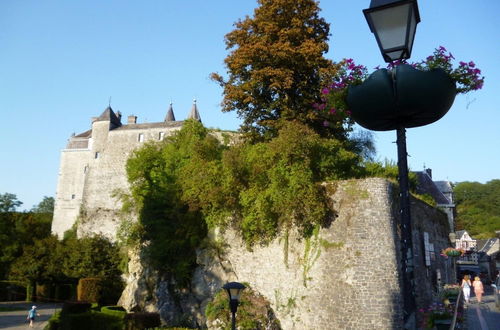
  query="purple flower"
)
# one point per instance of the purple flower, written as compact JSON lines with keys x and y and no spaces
{"x":472,"y":64}
{"x":326,"y":124}
{"x":325,"y":90}
{"x":332,"y":110}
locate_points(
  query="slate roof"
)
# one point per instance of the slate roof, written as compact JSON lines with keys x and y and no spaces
{"x":170,"y":114}
{"x":194,"y":114}
{"x":425,"y":185}
{"x":110,"y":115}
{"x":485,"y":245}
{"x":460,"y":233}
{"x":444,"y":186}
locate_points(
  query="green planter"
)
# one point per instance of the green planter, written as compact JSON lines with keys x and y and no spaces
{"x":406,"y":97}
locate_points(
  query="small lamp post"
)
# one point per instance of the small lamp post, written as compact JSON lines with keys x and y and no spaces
{"x":234,"y":290}
{"x":394,"y":23}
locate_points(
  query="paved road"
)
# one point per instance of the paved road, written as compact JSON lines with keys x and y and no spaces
{"x":483,"y":316}
{"x":17,"y":320}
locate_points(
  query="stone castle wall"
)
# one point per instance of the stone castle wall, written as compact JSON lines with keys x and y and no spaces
{"x":90,"y":177}
{"x":347,"y":277}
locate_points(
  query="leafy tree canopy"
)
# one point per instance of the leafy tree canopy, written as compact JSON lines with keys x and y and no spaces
{"x":9,"y":202}
{"x":45,"y":206}
{"x":276,"y":67}
{"x":478,"y":207}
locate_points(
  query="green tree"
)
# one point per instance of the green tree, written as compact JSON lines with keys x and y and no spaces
{"x":45,"y":206}
{"x":18,"y":230}
{"x":90,"y":256}
{"x":170,"y":227}
{"x":9,"y":202}
{"x":478,"y":207}
{"x":37,"y":262}
{"x":276,"y":67}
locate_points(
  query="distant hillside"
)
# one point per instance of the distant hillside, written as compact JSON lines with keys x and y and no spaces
{"x":478,"y":207}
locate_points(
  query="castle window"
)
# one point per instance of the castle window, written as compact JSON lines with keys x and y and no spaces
{"x":141,"y":137}
{"x":161,"y":136}
{"x":97,"y":154}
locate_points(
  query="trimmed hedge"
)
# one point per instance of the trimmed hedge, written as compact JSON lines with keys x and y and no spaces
{"x":43,"y":292}
{"x":117,"y":311}
{"x":89,"y":320}
{"x":75,"y":307}
{"x":141,"y":321}
{"x":89,"y":289}
{"x":12,"y":291}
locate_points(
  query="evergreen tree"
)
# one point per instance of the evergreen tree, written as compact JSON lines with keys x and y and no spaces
{"x":276,"y":67}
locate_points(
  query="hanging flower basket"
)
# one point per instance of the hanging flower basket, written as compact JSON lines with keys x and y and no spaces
{"x":452,"y":252}
{"x":404,"y":97}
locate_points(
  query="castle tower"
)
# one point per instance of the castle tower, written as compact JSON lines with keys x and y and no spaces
{"x":170,"y":114}
{"x":194,"y":114}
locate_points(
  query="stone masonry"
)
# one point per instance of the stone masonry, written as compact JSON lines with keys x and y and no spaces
{"x":345,"y":277}
{"x":92,"y":170}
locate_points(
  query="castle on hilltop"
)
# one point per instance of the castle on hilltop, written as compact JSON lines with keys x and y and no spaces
{"x":92,"y":169}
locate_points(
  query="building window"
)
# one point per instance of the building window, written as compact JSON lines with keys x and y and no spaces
{"x":161,"y":136}
{"x":141,"y":137}
{"x":97,"y":154}
{"x":85,"y":169}
{"x":73,"y":196}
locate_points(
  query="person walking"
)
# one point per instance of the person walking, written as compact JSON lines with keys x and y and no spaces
{"x":478,"y":288}
{"x":466,"y":284}
{"x":32,"y":314}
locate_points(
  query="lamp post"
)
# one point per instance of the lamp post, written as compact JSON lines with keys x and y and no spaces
{"x":453,"y":241}
{"x":394,"y":24}
{"x":234,"y":290}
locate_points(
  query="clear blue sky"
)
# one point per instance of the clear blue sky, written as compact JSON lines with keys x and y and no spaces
{"x":60,"y":61}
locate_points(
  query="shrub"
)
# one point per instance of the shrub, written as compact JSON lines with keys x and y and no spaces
{"x":89,"y":289}
{"x":117,"y":311}
{"x":111,"y":290}
{"x":64,"y":292}
{"x":54,"y":322}
{"x":12,"y":291}
{"x":43,"y":292}
{"x":254,"y":312}
{"x":140,"y":321}
{"x":75,"y":307}
{"x":90,"y":320}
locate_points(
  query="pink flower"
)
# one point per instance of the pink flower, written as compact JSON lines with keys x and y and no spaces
{"x":325,"y":90}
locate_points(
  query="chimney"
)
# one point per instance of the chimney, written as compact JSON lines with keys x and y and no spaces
{"x":429,"y":172}
{"x":132,"y":119}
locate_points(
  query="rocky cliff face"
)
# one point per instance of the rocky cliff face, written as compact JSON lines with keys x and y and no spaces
{"x":345,"y":276}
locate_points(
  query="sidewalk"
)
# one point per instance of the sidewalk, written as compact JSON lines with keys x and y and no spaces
{"x":16,"y":320}
{"x":484,"y":316}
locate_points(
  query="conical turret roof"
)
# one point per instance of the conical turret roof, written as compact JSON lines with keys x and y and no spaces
{"x":194,"y":114}
{"x":109,"y":115}
{"x":170,"y":114}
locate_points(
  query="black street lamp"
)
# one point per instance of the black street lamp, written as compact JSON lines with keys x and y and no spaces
{"x":394,"y":23}
{"x":234,"y":290}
